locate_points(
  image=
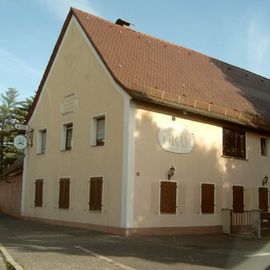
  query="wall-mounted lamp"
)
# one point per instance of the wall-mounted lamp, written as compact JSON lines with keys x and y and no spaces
{"x":265,"y":180}
{"x":171,"y":172}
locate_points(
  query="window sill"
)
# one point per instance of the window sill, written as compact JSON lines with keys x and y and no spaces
{"x":97,"y":145}
{"x":95,"y":211}
{"x":41,"y":153}
{"x":66,"y":150}
{"x":231,"y":157}
{"x":168,"y":214}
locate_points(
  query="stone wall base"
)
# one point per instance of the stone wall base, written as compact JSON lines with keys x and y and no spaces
{"x":133,"y":231}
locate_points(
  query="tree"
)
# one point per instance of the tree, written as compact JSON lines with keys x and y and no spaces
{"x":12,"y":112}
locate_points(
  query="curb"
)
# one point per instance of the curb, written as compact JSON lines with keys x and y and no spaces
{"x":11,"y":264}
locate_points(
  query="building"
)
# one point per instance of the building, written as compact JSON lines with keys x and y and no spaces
{"x":11,"y":189}
{"x":132,"y":134}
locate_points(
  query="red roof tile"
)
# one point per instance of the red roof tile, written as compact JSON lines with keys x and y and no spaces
{"x":157,"y":71}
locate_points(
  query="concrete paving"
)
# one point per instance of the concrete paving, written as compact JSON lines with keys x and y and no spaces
{"x":39,"y":246}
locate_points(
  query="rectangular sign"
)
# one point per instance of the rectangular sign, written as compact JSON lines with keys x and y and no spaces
{"x":21,"y":127}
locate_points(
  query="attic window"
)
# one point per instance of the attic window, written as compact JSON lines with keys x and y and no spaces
{"x":234,"y":143}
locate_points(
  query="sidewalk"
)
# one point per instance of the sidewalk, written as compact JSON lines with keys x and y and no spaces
{"x":39,"y":246}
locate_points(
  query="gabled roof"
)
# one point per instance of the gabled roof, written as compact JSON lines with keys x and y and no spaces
{"x":156,"y":71}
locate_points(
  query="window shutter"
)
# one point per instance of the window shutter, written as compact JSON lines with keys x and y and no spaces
{"x":207,"y":198}
{"x":238,"y":199}
{"x":61,"y":193}
{"x":95,"y":200}
{"x":263,"y":198}
{"x":64,"y":192}
{"x":167,"y":197}
{"x":38,"y":192}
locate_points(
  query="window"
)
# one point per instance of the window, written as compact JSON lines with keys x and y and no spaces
{"x":64,"y":189}
{"x":264,"y":146}
{"x":41,"y":141}
{"x":38,"y":192}
{"x":67,"y":136}
{"x":95,"y":193}
{"x":234,"y":143}
{"x":207,"y":198}
{"x":168,"y":197}
{"x":238,"y":199}
{"x":98,"y":130}
{"x":263,"y":198}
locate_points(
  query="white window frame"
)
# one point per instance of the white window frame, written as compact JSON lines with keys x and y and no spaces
{"x":64,"y":134}
{"x":159,"y":192}
{"x":102,"y":194}
{"x":93,"y":139}
{"x":215,"y":197}
{"x":39,"y":141}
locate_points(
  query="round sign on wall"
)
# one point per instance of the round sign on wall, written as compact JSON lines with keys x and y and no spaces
{"x":20,"y":142}
{"x":176,"y":139}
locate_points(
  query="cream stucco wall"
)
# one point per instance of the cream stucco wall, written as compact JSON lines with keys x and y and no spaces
{"x":77,"y":70}
{"x":204,"y":164}
{"x":132,"y":161}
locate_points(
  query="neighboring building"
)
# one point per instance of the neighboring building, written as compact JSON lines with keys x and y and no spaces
{"x":116,"y":109}
{"x":11,"y":189}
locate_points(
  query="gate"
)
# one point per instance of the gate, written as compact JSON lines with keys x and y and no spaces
{"x":242,"y":223}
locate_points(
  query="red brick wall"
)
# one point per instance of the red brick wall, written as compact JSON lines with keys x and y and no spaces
{"x":10,"y":196}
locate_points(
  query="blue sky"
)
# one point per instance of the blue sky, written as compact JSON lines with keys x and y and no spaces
{"x":237,"y":32}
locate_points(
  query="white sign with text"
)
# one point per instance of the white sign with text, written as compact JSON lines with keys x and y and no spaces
{"x":176,"y":139}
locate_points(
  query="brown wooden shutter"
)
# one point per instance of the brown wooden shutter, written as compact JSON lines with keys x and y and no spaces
{"x":167,"y":197}
{"x":95,"y":192}
{"x":263,"y":199}
{"x":238,"y":199}
{"x":207,"y":198}
{"x":38,"y":192}
{"x":64,"y":191}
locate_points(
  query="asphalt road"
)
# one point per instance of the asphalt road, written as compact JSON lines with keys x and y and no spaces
{"x":40,"y":247}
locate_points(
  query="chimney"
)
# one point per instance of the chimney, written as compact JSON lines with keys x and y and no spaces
{"x":123,"y":23}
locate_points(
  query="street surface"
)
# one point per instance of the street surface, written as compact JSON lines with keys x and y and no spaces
{"x":37,"y":246}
